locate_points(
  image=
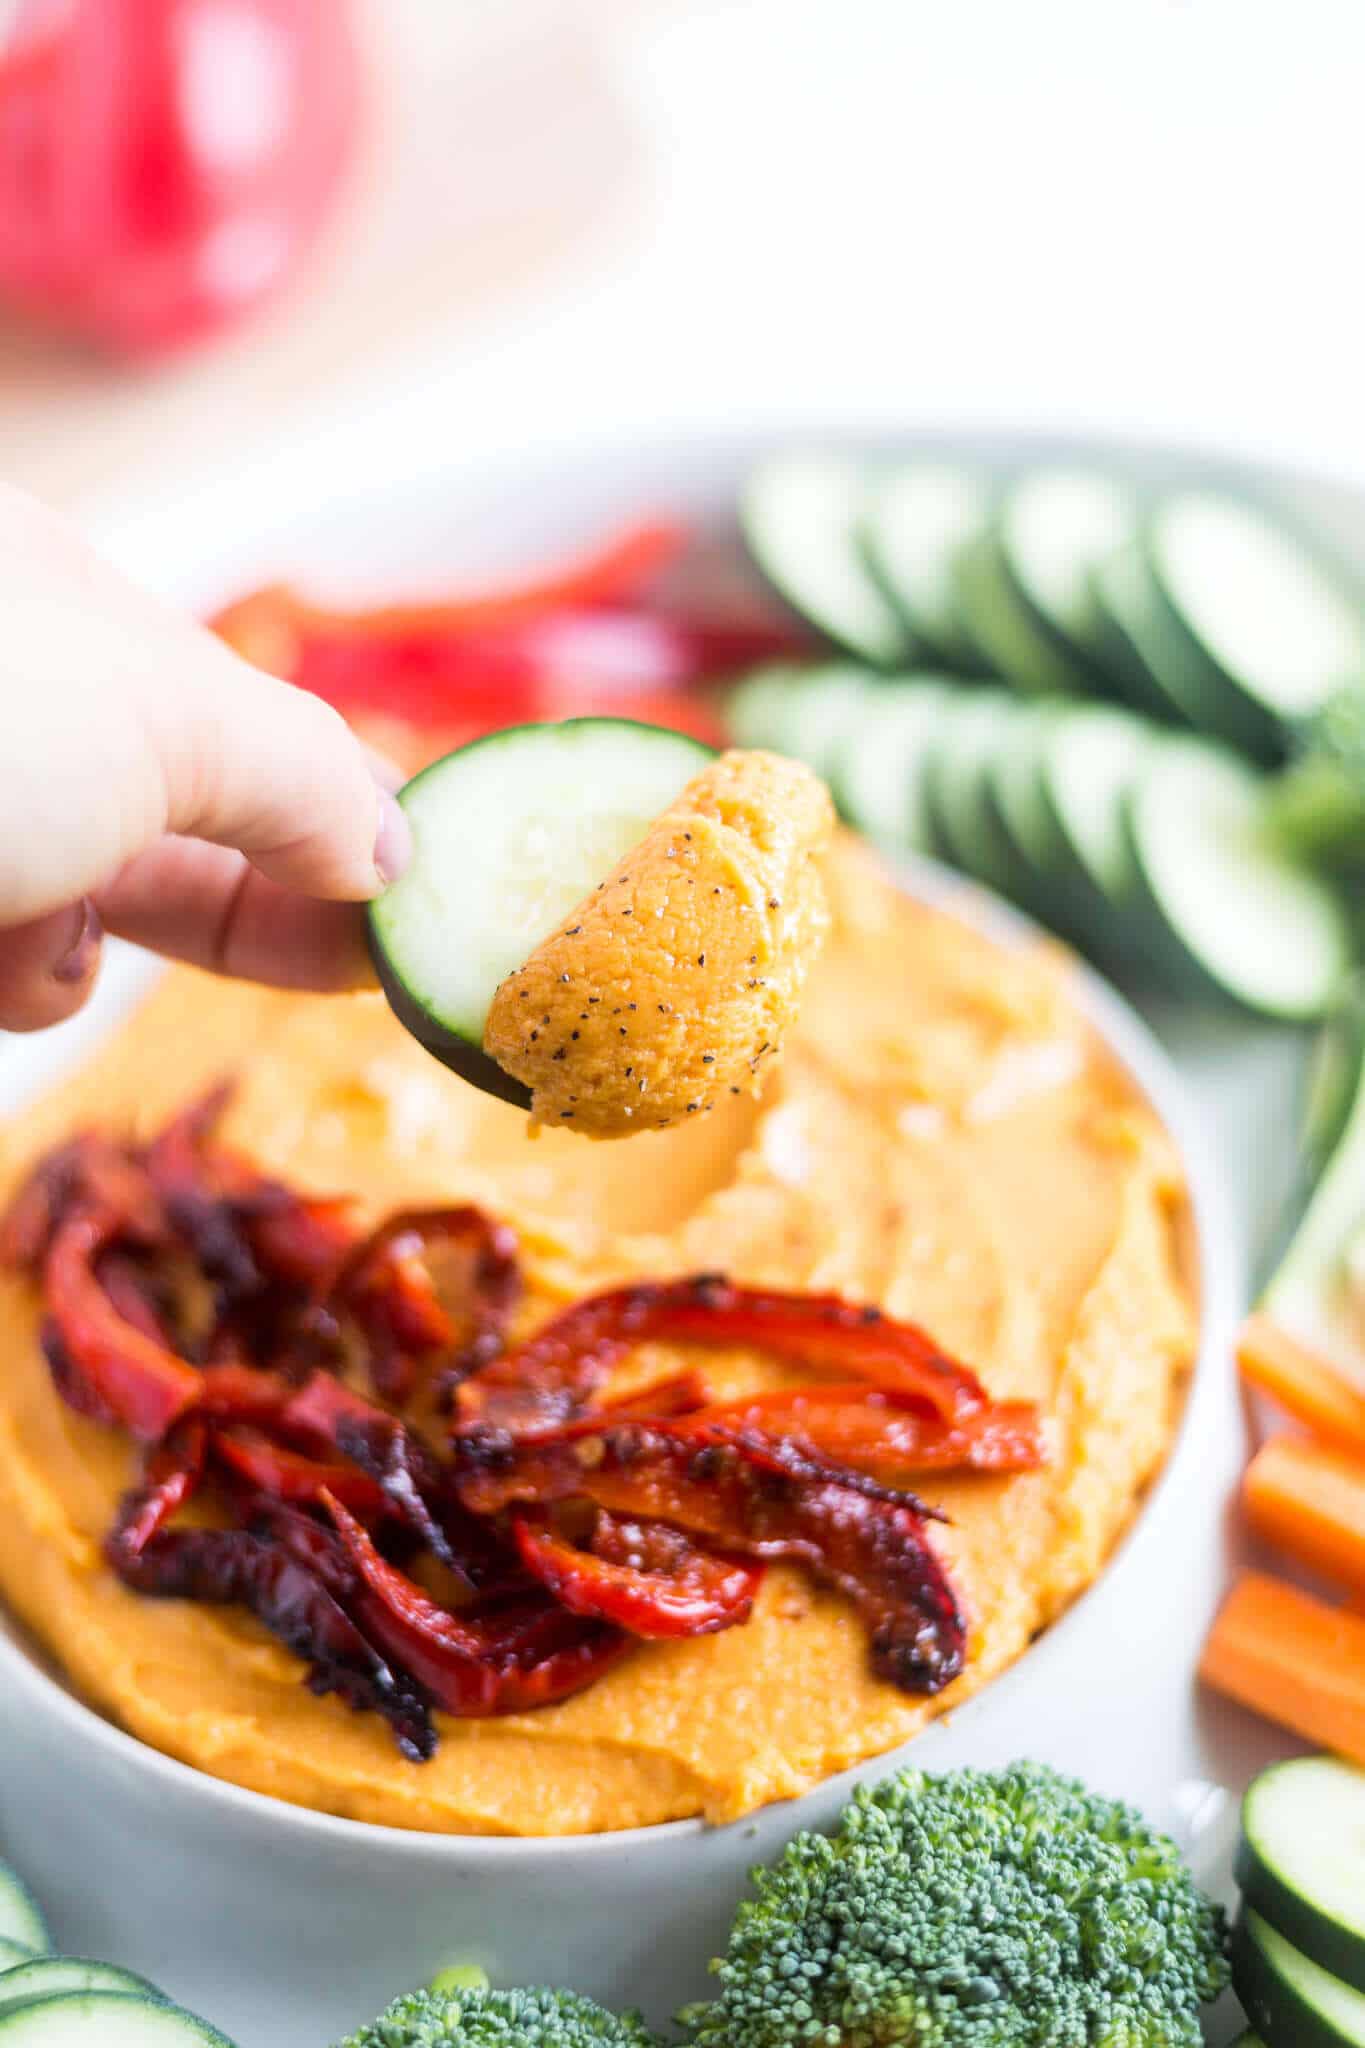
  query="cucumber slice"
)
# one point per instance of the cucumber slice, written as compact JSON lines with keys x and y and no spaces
{"x":915,"y":521}
{"x":21,"y":1918}
{"x":1235,"y":914}
{"x":1301,"y":1864}
{"x":1014,"y":641}
{"x":1056,"y":527}
{"x":1093,"y":760}
{"x":1287,"y":1996}
{"x":1315,"y":1292}
{"x":879,"y":774}
{"x":48,"y":1974}
{"x":510,"y":834}
{"x":1135,"y":655}
{"x":12,"y":1953}
{"x":104,"y":2019}
{"x":1276,"y":630}
{"x":1014,"y":792}
{"x":965,"y":828}
{"x":755,"y":705}
{"x":819,"y":714}
{"x":801,"y":517}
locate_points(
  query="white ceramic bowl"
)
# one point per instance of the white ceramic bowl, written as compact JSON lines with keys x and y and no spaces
{"x":288,"y":1927}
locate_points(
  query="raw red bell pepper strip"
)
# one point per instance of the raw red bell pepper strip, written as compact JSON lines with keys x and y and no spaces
{"x":290,"y":1476}
{"x":873,"y":1431}
{"x":140,"y":1382}
{"x":640,"y":1576}
{"x":272,"y":627}
{"x":538,"y":668}
{"x":553,"y":1374}
{"x":869,"y":1542}
{"x":472,"y":1668}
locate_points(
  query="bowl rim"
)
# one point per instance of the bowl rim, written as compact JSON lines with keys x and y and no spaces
{"x":1215,"y":1268}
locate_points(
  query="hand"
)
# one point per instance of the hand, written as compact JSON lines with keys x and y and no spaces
{"x":156,"y":786}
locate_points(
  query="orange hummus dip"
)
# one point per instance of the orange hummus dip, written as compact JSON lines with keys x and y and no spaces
{"x":945,"y":1136}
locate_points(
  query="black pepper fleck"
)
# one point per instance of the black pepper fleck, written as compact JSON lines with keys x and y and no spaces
{"x":701,"y":959}
{"x":573,"y":1034}
{"x":708,"y":1059}
{"x":560,"y":1054}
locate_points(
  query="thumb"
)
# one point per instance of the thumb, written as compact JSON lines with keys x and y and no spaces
{"x":48,"y":967}
{"x":253,"y":763}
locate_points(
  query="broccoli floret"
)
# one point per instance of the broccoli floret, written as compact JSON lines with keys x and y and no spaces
{"x":1008,"y":1909}
{"x":1318,"y":803}
{"x":501,"y":2019}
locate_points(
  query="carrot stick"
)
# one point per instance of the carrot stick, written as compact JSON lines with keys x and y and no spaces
{"x":1309,"y":1500}
{"x":1294,"y":1659}
{"x":1301,"y":1382}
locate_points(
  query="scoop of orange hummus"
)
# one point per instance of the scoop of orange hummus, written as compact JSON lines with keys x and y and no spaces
{"x":944,"y":1136}
{"x":676,"y":982}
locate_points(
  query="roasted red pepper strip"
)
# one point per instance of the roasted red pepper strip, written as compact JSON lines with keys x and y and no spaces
{"x":234,"y":1567}
{"x":472,"y":1668}
{"x":414,"y":1487}
{"x":642,"y":1577}
{"x":235,"y":1217}
{"x":874,"y":1432}
{"x":387,"y":1288}
{"x":867,"y":1541}
{"x":289,"y":1476}
{"x":173,"y":1474}
{"x":138,"y":1381}
{"x":547,"y":1379}
{"x":88,"y":1172}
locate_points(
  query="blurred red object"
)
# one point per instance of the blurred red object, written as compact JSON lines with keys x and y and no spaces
{"x":165,"y":163}
{"x":638,"y":628}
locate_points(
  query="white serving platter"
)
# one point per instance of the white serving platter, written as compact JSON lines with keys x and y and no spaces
{"x":286,"y":1928}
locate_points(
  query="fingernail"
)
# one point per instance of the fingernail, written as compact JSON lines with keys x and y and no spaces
{"x":77,"y":959}
{"x":393,"y":846}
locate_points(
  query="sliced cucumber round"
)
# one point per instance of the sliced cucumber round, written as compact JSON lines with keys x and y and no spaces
{"x":965,"y":827}
{"x":1014,"y":793}
{"x":1316,"y":1288}
{"x":104,"y":2019}
{"x":1287,"y":1996}
{"x":12,"y":1953}
{"x":915,"y":521}
{"x":1235,"y":913}
{"x":1013,"y":640}
{"x":801,"y":518}
{"x":1093,"y":760}
{"x":46,"y":1975}
{"x":1136,"y":655}
{"x":1276,"y":630}
{"x":510,"y":834}
{"x":878,"y":776}
{"x":1056,"y":527}
{"x":1301,"y":1864}
{"x":756,"y":704}
{"x":816,"y":717}
{"x":21,"y":1918}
